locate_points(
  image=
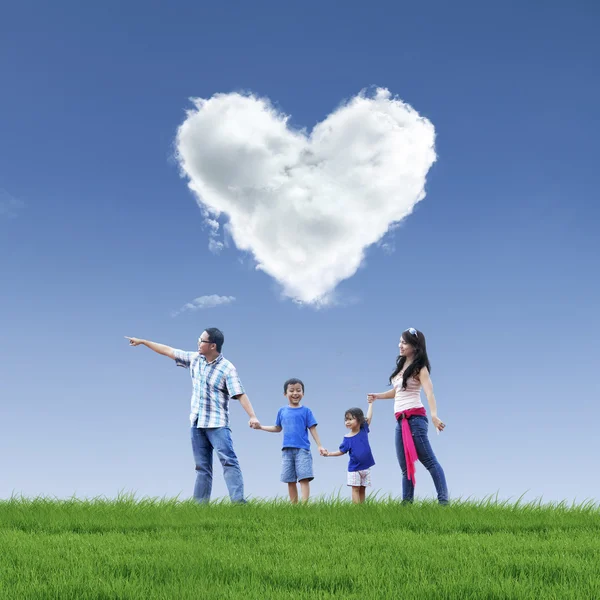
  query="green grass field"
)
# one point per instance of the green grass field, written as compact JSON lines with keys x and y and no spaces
{"x":382,"y":549}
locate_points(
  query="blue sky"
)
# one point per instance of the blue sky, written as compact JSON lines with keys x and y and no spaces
{"x":100,"y":238}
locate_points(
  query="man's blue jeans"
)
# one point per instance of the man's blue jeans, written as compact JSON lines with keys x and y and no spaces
{"x":418,"y":427}
{"x":204,"y":441}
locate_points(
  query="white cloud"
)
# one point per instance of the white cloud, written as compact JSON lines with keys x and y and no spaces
{"x":9,"y":205}
{"x":306,"y":205}
{"x":214,"y":245}
{"x":204,"y":302}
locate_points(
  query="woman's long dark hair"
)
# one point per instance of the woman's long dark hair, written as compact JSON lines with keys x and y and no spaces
{"x":420,"y":359}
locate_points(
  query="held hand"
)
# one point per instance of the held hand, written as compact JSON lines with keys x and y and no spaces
{"x":371,"y":398}
{"x":133,"y":341}
{"x":254,"y":423}
{"x":437,"y":423}
{"x":322,"y":451}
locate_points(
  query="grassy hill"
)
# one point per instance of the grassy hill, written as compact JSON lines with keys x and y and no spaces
{"x":168,"y":549}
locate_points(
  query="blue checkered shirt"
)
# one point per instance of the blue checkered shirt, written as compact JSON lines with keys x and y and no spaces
{"x":213,"y":384}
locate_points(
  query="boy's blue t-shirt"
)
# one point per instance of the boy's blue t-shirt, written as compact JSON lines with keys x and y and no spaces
{"x":295,"y":423}
{"x":358,"y":447}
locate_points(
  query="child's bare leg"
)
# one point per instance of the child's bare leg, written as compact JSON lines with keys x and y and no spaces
{"x":305,"y":489}
{"x":356,"y":494}
{"x":293,"y":491}
{"x":363,"y":492}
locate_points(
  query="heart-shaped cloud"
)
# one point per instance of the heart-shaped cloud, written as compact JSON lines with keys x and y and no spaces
{"x":306,"y":206}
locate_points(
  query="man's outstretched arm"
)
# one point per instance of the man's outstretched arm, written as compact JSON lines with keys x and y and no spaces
{"x":158,"y":348}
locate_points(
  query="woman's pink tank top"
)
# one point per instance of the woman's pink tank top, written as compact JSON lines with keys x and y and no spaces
{"x":408,"y":398}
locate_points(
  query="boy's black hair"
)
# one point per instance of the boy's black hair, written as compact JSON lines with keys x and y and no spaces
{"x":292,"y":381}
{"x":358,"y":414}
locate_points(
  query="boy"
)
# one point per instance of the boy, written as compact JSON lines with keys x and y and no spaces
{"x":296,"y":421}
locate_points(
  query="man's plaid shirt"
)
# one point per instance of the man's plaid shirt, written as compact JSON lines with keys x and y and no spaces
{"x":213,"y":384}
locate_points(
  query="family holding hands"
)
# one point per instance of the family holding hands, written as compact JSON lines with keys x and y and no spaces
{"x":215,"y":381}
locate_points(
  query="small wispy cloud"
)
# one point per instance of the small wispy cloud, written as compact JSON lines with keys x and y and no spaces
{"x":203,"y":302}
{"x":214,"y":244}
{"x":9,"y":205}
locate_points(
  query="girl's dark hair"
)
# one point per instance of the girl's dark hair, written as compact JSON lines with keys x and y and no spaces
{"x":356,"y":413}
{"x":420,"y":359}
{"x":292,"y":381}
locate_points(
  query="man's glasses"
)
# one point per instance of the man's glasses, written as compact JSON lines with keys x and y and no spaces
{"x":201,"y":341}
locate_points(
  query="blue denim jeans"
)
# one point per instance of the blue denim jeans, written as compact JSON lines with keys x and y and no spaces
{"x":204,"y":441}
{"x":418,"y":427}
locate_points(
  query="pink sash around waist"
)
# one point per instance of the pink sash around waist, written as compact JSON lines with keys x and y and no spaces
{"x":410,"y":452}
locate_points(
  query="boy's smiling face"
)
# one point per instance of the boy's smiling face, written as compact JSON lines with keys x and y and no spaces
{"x":294,"y":394}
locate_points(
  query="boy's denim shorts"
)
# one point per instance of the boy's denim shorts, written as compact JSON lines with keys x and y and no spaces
{"x":296,"y":465}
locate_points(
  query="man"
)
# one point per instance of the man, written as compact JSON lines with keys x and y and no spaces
{"x":215,"y":381}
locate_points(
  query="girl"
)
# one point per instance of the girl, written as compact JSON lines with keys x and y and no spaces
{"x":411,"y":373}
{"x":356,"y":443}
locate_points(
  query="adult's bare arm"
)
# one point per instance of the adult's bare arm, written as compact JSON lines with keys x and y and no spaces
{"x":156,"y":347}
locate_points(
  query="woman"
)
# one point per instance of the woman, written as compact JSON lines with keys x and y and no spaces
{"x":411,"y":373}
